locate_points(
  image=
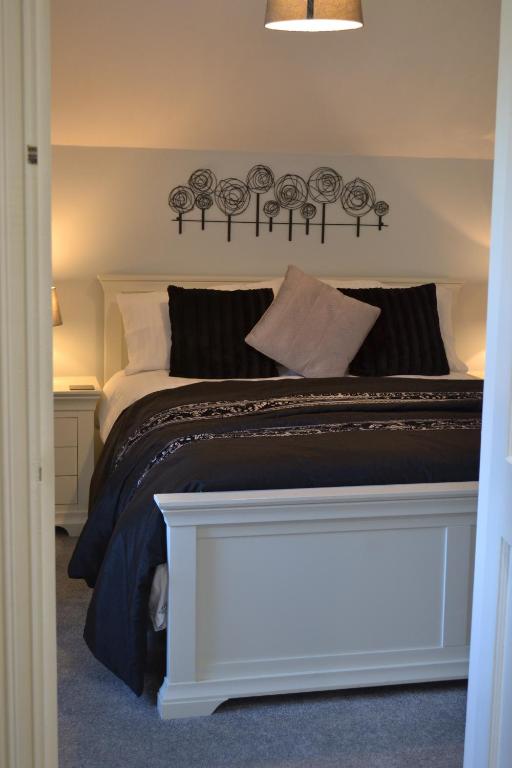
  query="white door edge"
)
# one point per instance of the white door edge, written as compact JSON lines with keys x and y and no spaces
{"x":28,"y":711}
{"x":489,"y":715}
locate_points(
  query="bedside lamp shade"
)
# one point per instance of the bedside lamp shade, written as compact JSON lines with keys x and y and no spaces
{"x":56,"y":316}
{"x":314,"y":15}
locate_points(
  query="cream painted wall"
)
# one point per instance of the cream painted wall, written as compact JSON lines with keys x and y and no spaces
{"x":110,"y":214}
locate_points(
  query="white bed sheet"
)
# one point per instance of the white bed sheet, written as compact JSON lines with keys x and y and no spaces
{"x":121,"y":391}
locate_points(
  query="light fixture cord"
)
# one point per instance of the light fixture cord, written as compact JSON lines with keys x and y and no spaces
{"x":311,"y":9}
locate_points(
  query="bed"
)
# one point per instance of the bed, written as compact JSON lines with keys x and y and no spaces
{"x":279,"y":589}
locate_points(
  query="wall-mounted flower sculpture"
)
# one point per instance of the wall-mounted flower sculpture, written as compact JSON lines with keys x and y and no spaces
{"x":313,"y":198}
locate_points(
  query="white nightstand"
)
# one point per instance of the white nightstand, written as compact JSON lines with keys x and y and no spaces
{"x":74,"y":449}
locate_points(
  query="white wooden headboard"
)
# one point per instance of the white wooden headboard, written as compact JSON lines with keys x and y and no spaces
{"x":115,"y":356}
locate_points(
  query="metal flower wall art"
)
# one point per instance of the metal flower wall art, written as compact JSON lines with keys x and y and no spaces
{"x":325,"y":200}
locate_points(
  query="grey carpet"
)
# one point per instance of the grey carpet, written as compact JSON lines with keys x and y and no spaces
{"x":103,"y":725}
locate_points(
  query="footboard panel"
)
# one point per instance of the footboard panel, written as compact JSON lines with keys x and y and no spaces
{"x":298,"y":590}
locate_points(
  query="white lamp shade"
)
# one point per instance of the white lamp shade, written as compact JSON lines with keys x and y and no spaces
{"x":314,"y":15}
{"x":56,"y":316}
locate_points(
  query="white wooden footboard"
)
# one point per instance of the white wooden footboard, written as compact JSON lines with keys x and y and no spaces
{"x":314,"y":589}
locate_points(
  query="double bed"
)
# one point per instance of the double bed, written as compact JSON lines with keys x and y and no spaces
{"x":319,"y":533}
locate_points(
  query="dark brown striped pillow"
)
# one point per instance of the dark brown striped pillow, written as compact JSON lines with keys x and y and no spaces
{"x":406,"y":339}
{"x":208,"y":330}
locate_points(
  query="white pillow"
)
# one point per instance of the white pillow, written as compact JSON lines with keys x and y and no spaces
{"x":274,"y":283}
{"x":340,"y":283}
{"x":446,"y":296}
{"x":147,"y":330}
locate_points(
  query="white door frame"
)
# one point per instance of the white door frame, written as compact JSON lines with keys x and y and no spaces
{"x":488,"y":734}
{"x":28,"y":711}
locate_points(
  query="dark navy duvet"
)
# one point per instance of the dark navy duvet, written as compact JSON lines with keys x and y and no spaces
{"x":239,"y":435}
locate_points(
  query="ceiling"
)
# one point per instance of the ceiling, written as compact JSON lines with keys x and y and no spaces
{"x":418,"y":81}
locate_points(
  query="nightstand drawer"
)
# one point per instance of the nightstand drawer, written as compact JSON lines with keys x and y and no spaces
{"x":66,"y":460}
{"x":66,"y":490}
{"x":66,"y":431}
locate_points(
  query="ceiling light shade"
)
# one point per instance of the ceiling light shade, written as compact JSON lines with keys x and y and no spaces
{"x":314,"y":15}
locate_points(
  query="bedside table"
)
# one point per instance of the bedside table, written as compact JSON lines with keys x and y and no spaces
{"x":74,"y":449}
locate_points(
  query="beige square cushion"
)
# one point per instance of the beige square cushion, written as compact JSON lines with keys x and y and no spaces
{"x":311,"y":327}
